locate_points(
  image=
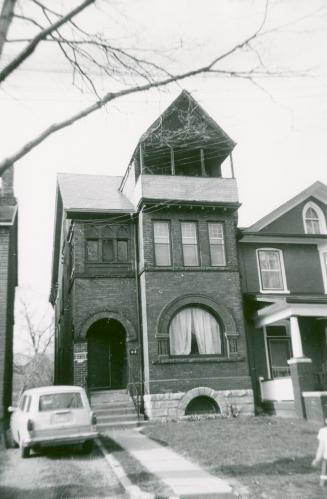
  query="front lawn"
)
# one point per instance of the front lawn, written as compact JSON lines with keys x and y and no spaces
{"x":263,"y":457}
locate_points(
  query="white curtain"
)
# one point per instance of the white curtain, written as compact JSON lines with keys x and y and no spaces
{"x":206,"y":331}
{"x":180,"y":331}
{"x":199,"y":322}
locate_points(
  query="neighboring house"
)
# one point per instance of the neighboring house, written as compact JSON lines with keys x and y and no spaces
{"x":8,"y":282}
{"x":283,"y":260}
{"x":145,"y":280}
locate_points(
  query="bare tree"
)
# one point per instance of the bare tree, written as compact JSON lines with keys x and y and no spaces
{"x":38,"y":328}
{"x":121,"y":67}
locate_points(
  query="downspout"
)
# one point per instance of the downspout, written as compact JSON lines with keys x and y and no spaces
{"x":138,"y":307}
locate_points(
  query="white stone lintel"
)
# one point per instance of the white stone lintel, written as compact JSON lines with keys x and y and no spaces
{"x":299,"y":360}
{"x":314,"y":394}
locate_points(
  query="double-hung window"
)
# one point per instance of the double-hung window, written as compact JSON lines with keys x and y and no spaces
{"x":271,"y":270}
{"x":217,"y":244}
{"x":190,"y":244}
{"x":161,"y":233}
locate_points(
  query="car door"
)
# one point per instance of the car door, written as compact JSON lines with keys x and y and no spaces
{"x":18,"y":418}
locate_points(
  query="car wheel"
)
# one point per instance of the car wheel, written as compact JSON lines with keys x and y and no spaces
{"x":9,"y":440}
{"x":87,"y":446}
{"x":24,"y":451}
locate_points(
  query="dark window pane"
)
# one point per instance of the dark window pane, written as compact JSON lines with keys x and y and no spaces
{"x":92,"y":250}
{"x":122,"y":251}
{"x":108,"y":250}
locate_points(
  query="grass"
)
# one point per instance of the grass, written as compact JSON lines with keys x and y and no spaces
{"x":262,"y":457}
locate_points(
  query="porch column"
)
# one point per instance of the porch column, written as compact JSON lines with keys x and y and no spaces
{"x":301,"y":369}
{"x":296,"y":338}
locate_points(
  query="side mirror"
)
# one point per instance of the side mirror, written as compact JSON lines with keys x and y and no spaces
{"x":11,"y":408}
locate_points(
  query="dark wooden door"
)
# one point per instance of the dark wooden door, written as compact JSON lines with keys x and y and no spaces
{"x":107,"y":356}
{"x":118,"y":359}
{"x":99,"y":360}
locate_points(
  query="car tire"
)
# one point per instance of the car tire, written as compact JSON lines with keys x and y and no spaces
{"x":24,"y":451}
{"x":9,"y":440}
{"x":87,"y":447}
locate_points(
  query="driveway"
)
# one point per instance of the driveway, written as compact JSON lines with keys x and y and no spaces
{"x":57,"y":473}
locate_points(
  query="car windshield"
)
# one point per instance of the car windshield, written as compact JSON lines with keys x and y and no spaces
{"x":57,"y":401}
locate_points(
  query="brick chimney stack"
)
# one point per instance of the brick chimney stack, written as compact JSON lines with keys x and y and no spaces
{"x":7,"y":188}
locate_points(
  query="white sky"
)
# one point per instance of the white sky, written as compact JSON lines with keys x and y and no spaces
{"x":281,"y":142}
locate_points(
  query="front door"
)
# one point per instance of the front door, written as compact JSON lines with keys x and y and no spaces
{"x":279,"y":353}
{"x":106,"y":355}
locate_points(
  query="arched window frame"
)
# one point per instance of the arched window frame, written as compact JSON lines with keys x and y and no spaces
{"x":220,"y":329}
{"x":229,"y":332}
{"x":320,"y":215}
{"x":282,"y":268}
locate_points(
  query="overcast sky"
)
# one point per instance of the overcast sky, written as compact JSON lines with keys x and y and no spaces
{"x":281,"y":137}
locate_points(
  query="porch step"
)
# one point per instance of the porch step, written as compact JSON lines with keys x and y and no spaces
{"x":113,"y":409}
{"x":282,"y":409}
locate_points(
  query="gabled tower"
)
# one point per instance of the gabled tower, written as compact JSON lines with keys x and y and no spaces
{"x":194,"y":351}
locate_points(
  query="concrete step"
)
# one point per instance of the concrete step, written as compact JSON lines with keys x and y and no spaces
{"x":115,"y":418}
{"x":108,"y":406}
{"x":122,"y":411}
{"x":282,"y":409}
{"x":120,"y":425}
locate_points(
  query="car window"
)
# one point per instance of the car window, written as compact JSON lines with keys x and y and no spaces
{"x":28,"y":404}
{"x":57,"y":401}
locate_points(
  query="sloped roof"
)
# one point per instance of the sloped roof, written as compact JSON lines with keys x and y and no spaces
{"x":7,"y":214}
{"x":180,"y":99}
{"x":92,"y":193}
{"x":317,"y":190}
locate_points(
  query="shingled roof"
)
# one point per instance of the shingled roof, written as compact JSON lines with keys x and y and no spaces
{"x":92,"y":193}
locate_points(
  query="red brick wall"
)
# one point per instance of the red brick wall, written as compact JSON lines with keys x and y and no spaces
{"x":162,"y":286}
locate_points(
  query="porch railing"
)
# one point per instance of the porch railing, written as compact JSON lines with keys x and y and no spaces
{"x":135,"y":391}
{"x":280,"y":372}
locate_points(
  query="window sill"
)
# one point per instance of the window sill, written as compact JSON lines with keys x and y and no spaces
{"x":181,"y":268}
{"x":274,"y":291}
{"x":214,"y":359}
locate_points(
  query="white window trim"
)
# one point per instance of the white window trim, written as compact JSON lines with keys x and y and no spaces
{"x":281,"y":259}
{"x":321,"y":217}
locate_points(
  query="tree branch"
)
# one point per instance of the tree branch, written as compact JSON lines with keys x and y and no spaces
{"x":24,"y":54}
{"x":6,"y":17}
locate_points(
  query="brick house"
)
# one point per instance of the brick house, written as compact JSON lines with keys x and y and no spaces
{"x":8,"y":282}
{"x":283,"y":261}
{"x":145,"y":280}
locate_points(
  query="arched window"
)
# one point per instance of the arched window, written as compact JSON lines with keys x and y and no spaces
{"x":313,"y":219}
{"x":194,"y":331}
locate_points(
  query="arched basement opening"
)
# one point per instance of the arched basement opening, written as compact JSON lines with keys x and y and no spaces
{"x":202,"y":405}
{"x":107,"y":362}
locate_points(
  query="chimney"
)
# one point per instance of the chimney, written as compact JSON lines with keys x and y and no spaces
{"x":7,"y":188}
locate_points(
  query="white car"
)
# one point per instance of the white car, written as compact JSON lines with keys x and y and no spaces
{"x":53,"y":415}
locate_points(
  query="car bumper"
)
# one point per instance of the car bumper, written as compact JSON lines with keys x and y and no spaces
{"x":59,"y":440}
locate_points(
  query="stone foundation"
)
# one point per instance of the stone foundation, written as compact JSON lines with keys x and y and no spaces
{"x":171,"y":406}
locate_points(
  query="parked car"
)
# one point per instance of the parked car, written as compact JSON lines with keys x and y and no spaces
{"x":53,"y":415}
